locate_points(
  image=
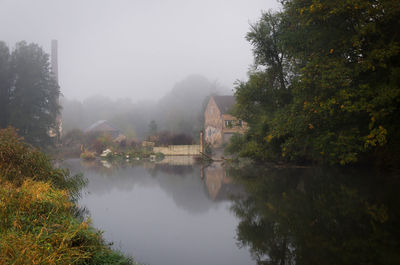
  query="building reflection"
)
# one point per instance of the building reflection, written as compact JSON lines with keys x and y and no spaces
{"x":219,"y":185}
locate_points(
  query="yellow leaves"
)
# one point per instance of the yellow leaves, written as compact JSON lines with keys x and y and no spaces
{"x":38,"y":226}
{"x":378,"y":213}
{"x":377,"y":136}
{"x":269,"y":138}
{"x":16,"y":224}
{"x":84,"y":225}
{"x":331,"y":51}
{"x":342,"y":106}
{"x":270,"y":206}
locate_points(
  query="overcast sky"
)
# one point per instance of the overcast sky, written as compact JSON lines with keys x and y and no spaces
{"x":136,"y":48}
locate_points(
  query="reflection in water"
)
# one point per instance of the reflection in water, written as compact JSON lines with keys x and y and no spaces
{"x":219,"y":185}
{"x":317,"y":216}
{"x":164,"y":213}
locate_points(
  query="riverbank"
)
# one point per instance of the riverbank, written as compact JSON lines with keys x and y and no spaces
{"x":39,"y":220}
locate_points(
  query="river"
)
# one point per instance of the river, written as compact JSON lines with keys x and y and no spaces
{"x":164,"y":214}
{"x":176,"y":212}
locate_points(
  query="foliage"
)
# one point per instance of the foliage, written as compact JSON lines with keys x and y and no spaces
{"x":165,"y":138}
{"x":325,"y":86}
{"x":20,"y":161}
{"x":37,"y":227}
{"x":75,"y":136}
{"x":152,"y":128}
{"x":4,"y":84}
{"x":28,"y":92}
{"x":159,"y":156}
{"x":87,"y":155}
{"x":37,"y":221}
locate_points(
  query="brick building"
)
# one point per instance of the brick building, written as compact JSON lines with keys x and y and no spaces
{"x":219,"y":124}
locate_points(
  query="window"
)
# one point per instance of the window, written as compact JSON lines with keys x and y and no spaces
{"x":228,"y":123}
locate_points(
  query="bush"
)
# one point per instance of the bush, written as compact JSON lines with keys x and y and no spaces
{"x":37,"y":221}
{"x":37,"y":227}
{"x":159,"y":156}
{"x":167,"y":138}
{"x":20,"y":161}
{"x":87,"y":155}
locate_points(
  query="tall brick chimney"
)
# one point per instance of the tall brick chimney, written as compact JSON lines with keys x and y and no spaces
{"x":54,"y":70}
{"x":54,"y":59}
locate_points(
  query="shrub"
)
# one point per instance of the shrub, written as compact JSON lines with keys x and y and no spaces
{"x":20,"y":161}
{"x":37,"y":227}
{"x":37,"y":221}
{"x":159,"y":156}
{"x":87,"y":155}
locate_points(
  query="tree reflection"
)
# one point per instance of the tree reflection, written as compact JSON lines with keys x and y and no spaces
{"x":318,"y":216}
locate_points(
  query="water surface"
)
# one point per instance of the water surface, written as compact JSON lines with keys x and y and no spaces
{"x":164,"y":213}
{"x":174,"y":212}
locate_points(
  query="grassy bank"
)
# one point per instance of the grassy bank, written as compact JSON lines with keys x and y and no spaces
{"x":38,"y":220}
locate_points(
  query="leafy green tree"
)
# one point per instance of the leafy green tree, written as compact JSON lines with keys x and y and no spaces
{"x":33,"y":94}
{"x":267,"y":90}
{"x":4,"y":83}
{"x":340,"y":83}
{"x":152,"y":128}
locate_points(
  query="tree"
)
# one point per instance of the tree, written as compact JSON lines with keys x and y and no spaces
{"x":152,"y":128}
{"x":4,"y":83}
{"x":336,"y":97}
{"x":28,"y":92}
{"x":267,"y":90}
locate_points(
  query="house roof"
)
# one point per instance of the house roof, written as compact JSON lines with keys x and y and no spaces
{"x":224,"y":103}
{"x":103,"y":126}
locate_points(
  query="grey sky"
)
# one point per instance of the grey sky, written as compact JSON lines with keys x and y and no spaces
{"x":136,"y":49}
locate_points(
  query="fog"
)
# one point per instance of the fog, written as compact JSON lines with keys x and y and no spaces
{"x":136,"y":49}
{"x":180,"y":110}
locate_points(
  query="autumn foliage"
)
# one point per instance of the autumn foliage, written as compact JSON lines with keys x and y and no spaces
{"x":325,"y":86}
{"x":37,"y":220}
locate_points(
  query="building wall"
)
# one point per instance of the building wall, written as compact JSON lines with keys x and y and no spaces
{"x":235,"y":128}
{"x":178,"y":150}
{"x":213,"y":124}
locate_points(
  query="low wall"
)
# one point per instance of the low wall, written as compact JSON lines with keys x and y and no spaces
{"x":178,"y":150}
{"x":177,"y":160}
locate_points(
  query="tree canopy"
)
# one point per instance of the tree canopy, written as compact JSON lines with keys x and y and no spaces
{"x":28,"y":92}
{"x":325,"y":83}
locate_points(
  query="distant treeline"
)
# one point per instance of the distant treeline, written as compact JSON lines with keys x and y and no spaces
{"x":28,"y":92}
{"x":180,"y":111}
{"x":325,"y":85}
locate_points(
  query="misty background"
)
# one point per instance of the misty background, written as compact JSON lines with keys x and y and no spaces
{"x":136,"y":61}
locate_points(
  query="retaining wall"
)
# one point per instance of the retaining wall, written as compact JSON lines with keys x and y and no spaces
{"x":178,"y":150}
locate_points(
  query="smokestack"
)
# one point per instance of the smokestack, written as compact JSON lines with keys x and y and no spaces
{"x":54,"y":59}
{"x":57,"y":132}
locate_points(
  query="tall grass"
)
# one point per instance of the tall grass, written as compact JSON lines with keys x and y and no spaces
{"x":37,"y":224}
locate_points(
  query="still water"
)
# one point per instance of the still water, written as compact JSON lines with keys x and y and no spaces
{"x":174,"y":212}
{"x":168,"y":213}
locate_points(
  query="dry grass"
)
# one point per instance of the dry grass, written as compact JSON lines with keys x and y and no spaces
{"x":37,"y":222}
